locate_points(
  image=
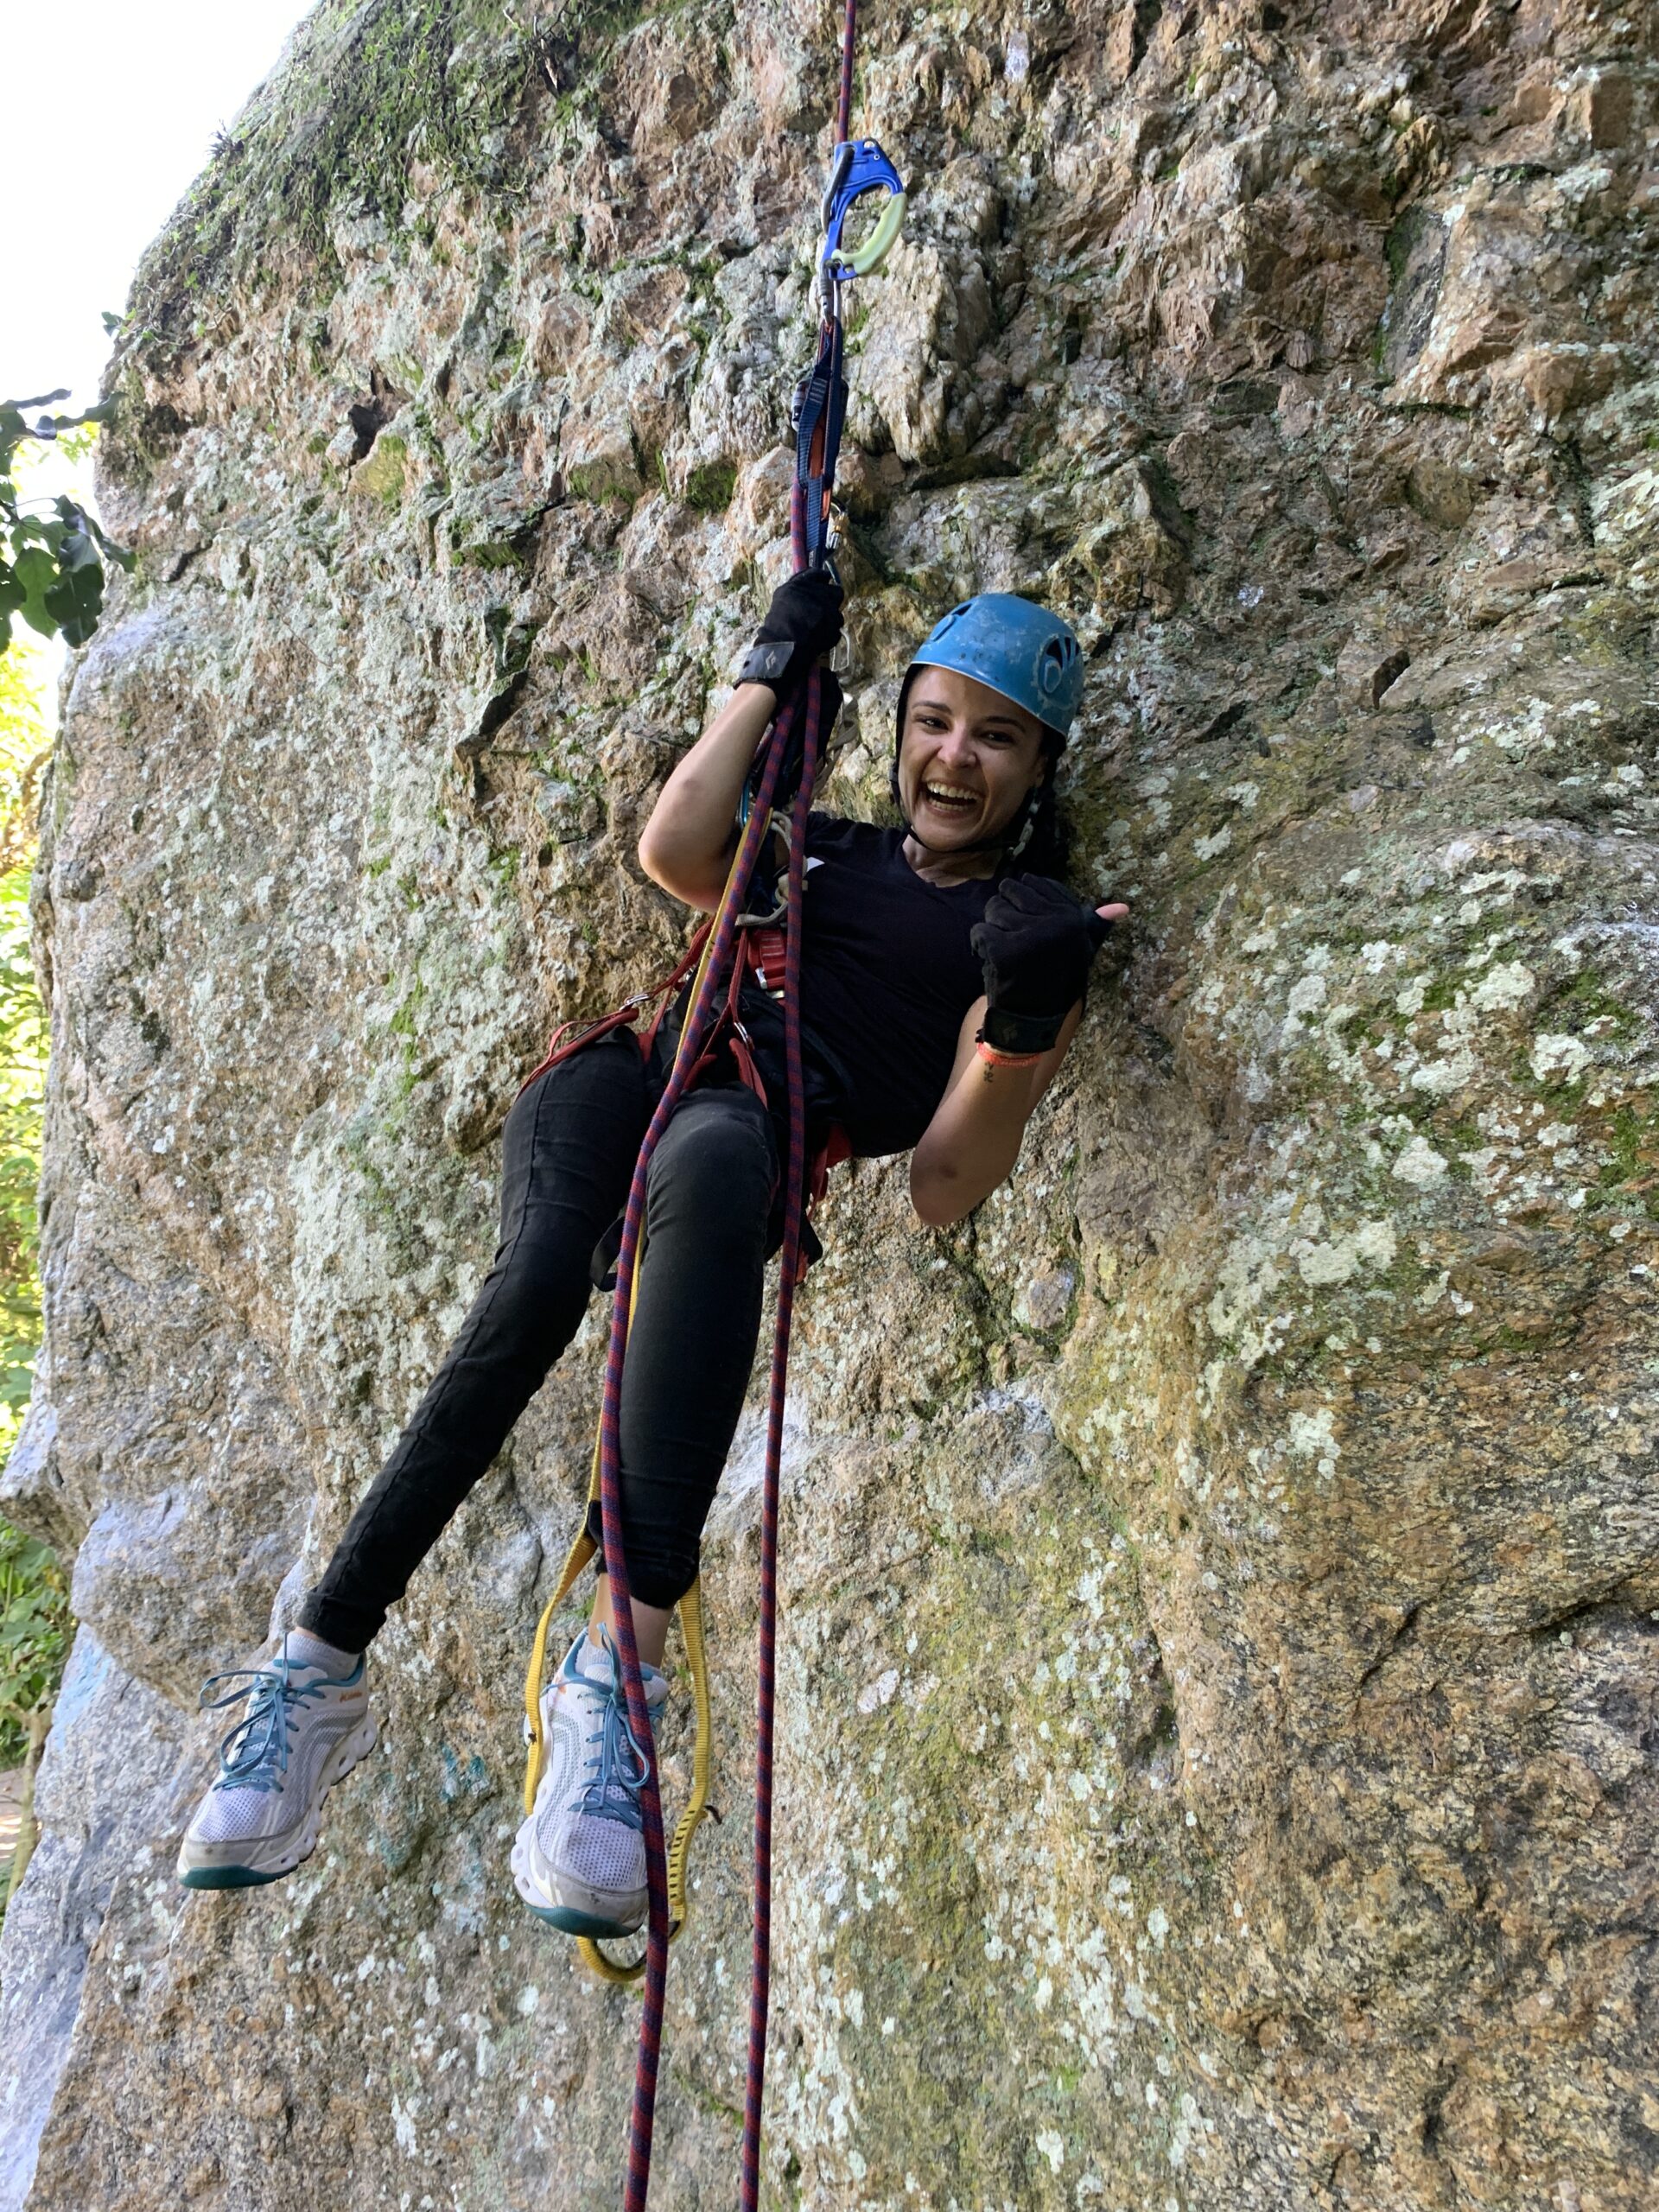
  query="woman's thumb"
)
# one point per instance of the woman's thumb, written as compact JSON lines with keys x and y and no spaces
{"x":1100,"y":921}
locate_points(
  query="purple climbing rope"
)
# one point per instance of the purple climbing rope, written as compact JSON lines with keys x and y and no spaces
{"x":843,"y":126}
{"x":789,"y":1266}
{"x":803,"y":710}
{"x":699,"y":1020}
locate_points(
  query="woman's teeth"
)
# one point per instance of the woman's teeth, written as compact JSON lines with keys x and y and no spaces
{"x":952,"y":798}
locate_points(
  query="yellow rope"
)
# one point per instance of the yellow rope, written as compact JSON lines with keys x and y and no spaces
{"x":690,"y":1611}
{"x":679,"y":1908}
{"x":575,"y":1559}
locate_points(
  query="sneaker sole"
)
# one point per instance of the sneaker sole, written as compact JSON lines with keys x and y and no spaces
{"x":569,"y":1919}
{"x":355,"y":1748}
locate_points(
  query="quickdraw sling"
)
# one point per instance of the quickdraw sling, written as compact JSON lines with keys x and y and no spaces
{"x":732,"y":942}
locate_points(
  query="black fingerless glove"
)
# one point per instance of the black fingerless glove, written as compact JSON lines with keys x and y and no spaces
{"x":803,"y":622}
{"x":1036,"y":945}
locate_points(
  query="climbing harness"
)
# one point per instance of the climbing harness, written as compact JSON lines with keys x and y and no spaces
{"x":734,"y":942}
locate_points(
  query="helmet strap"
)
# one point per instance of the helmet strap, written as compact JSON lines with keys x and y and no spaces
{"x":1025,"y":828}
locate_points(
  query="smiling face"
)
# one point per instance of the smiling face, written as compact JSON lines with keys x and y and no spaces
{"x":968,"y":759}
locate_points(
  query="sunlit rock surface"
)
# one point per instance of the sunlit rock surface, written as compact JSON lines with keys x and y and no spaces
{"x":1222,"y":1580}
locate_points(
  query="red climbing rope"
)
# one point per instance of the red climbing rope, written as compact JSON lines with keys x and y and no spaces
{"x":789,"y":1275}
{"x":801,"y":713}
{"x":844,"y":114}
{"x":699,"y":1021}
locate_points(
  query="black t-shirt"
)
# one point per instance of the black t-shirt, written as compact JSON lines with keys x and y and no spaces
{"x":886,"y":975}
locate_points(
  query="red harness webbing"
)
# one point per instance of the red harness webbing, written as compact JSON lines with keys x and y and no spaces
{"x":763,"y":955}
{"x":563,"y":1044}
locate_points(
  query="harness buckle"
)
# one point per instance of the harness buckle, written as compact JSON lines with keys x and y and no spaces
{"x":775,"y":919}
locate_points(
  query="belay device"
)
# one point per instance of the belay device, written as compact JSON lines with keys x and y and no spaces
{"x":726,"y":949}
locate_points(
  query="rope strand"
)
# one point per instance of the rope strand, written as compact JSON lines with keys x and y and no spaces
{"x":804,"y":709}
{"x":789,"y":1272}
{"x":698,"y":1021}
{"x":843,"y":127}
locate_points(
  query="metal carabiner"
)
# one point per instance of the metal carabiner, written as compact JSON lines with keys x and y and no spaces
{"x":858,"y":167}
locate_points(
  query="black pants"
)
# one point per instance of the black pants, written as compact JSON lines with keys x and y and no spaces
{"x":568,"y":1156}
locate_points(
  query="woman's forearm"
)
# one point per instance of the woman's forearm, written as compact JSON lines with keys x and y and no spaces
{"x":687,"y":844}
{"x":973,"y":1141}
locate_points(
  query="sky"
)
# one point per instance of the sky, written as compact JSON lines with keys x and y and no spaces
{"x":108,"y":147}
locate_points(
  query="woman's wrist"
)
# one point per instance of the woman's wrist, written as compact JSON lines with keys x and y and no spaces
{"x":685,"y":844}
{"x":995,"y":1056}
{"x":1021,"y":1036}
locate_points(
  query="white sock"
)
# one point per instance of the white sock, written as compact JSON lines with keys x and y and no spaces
{"x":593,"y":1661}
{"x":308,"y":1651}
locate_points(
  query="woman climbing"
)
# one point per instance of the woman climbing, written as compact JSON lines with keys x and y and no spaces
{"x":940,"y":989}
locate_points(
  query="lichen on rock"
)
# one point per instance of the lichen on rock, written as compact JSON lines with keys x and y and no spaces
{"x":1221,"y":1579}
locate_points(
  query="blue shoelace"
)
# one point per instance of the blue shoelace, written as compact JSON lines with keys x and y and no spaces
{"x":620,"y":1765}
{"x":254,"y":1754}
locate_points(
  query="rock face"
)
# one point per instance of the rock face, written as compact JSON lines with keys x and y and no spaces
{"x":1222,"y":1578}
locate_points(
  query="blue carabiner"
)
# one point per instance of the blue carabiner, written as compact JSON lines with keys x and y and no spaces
{"x":859,"y":167}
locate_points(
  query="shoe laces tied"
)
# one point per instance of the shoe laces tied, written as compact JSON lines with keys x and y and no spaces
{"x":254,"y":1753}
{"x":620,"y":1766}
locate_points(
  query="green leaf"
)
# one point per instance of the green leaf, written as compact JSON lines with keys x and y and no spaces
{"x":49,"y":426}
{"x":76,"y":601}
{"x":37,"y":572}
{"x":121,"y":554}
{"x":111,"y":322}
{"x":76,"y":548}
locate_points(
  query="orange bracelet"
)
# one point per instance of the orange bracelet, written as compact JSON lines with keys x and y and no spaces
{"x":993,"y":1058}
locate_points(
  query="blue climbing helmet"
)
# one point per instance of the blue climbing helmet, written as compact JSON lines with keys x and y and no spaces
{"x":1015,"y":647}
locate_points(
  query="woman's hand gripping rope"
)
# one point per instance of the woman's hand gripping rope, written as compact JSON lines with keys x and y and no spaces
{"x":689,"y":843}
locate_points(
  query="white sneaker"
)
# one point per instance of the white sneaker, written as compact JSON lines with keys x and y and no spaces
{"x":579,"y":1859}
{"x":304,"y":1730}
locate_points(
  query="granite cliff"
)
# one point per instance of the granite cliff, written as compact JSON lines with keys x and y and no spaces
{"x":1221,"y":1584}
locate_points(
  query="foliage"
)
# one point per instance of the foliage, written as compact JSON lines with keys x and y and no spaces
{"x":22,"y":1043}
{"x":22,"y":1068}
{"x":24,"y":751}
{"x":34,"y":1623}
{"x":35,"y":1630}
{"x":50,"y":572}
